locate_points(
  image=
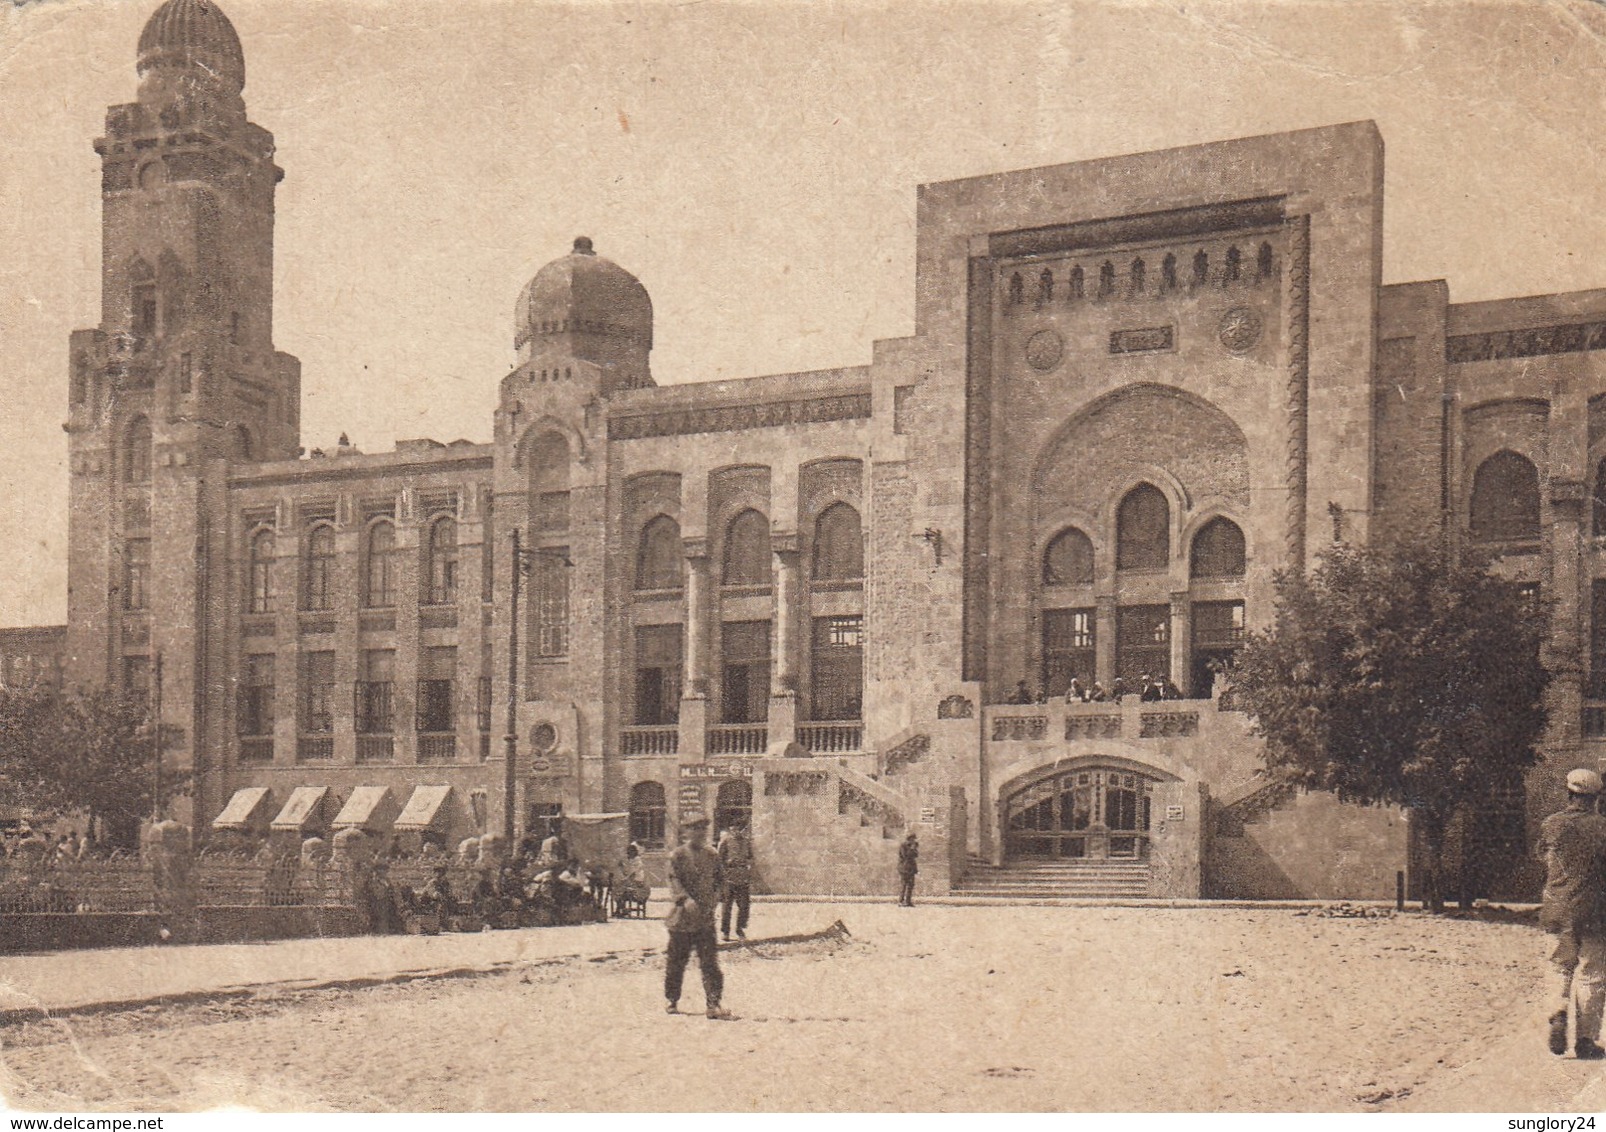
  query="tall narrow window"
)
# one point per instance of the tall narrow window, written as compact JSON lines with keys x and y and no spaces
{"x":137,"y":451}
{"x":1218,"y":551}
{"x":380,"y":565}
{"x":837,"y":672}
{"x":745,"y":689}
{"x":1106,"y":279}
{"x":437,"y":670}
{"x":1068,"y":638}
{"x":1597,"y":641}
{"x":320,"y":564}
{"x":1505,"y":499}
{"x":317,"y":692}
{"x":1230,"y":270}
{"x":838,"y":545}
{"x":256,"y":696}
{"x":1201,"y":267}
{"x":136,"y":573}
{"x":80,"y":378}
{"x":1137,"y":277}
{"x":659,"y":559}
{"x":376,"y":699}
{"x":550,"y":590}
{"x":488,"y":548}
{"x":1263,"y":263}
{"x":1068,"y":561}
{"x":1168,"y":273}
{"x":1598,"y":500}
{"x":137,"y":677}
{"x":1218,"y":634}
{"x":1077,"y":284}
{"x":647,"y":813}
{"x":747,"y":550}
{"x":658,"y":675}
{"x":145,"y":309}
{"x":1143,"y":642}
{"x":443,"y":561}
{"x":1143,"y":530}
{"x":261,"y":600}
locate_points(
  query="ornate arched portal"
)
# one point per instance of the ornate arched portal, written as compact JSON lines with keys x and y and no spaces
{"x":1091,"y":810}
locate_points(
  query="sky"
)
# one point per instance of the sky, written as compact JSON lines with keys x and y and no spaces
{"x":754,"y":164}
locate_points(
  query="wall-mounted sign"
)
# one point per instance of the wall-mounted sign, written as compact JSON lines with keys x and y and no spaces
{"x":1173,"y":813}
{"x":716,"y":770}
{"x":928,"y":814}
{"x":691,"y":799}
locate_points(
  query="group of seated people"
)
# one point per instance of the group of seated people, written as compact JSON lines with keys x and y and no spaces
{"x":1148,"y":689}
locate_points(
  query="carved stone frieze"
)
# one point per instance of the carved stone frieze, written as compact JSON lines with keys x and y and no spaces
{"x":737,"y":418}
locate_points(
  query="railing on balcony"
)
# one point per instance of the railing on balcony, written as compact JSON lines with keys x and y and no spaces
{"x":376,"y":748}
{"x":315,"y":748}
{"x":256,"y":749}
{"x":738,"y":739}
{"x":437,"y":748}
{"x":838,"y":737}
{"x":650,"y":740}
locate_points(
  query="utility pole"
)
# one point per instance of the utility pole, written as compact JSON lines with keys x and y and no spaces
{"x":511,"y":739}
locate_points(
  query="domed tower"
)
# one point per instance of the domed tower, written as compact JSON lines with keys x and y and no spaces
{"x":181,"y":379}
{"x":586,"y":308}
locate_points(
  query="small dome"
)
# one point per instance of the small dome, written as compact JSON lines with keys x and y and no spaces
{"x":196,"y":34}
{"x":584,"y":293}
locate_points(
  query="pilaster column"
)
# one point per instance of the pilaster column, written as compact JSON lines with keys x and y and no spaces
{"x":694,"y":685}
{"x":1104,"y":639}
{"x":783,"y":641}
{"x":1181,"y":673}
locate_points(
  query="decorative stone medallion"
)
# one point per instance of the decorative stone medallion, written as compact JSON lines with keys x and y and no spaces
{"x":543,"y":738}
{"x":1044,"y":350}
{"x":1240,"y":329}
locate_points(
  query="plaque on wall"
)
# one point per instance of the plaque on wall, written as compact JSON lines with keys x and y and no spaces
{"x":1144,"y":340}
{"x":1044,"y":350}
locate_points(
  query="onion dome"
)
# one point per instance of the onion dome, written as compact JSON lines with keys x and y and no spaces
{"x":584,"y":293}
{"x":197,"y":36}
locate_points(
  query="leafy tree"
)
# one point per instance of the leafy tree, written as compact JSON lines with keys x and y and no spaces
{"x":1394,"y":675}
{"x":91,"y":752}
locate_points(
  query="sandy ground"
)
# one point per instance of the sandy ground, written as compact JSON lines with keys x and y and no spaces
{"x":934,"y":1008}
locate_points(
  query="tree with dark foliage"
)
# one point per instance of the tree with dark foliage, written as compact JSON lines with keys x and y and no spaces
{"x":1392,"y":675}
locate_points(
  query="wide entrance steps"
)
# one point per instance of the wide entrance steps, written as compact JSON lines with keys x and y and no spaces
{"x":1063,"y":880}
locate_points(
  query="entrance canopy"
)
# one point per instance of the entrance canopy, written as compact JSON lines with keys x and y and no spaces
{"x":369,"y":808}
{"x":248,"y":809}
{"x":303,"y":809}
{"x":424,"y":809}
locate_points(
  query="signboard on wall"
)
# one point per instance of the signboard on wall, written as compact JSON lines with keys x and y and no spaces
{"x":691,"y":799}
{"x":716,"y":770}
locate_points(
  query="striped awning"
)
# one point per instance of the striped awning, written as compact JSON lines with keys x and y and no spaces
{"x":369,"y":807}
{"x":302,"y":808}
{"x":426,"y":807}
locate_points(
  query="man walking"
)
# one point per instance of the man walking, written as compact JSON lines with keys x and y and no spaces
{"x":694,"y":883}
{"x":736,"y":864}
{"x":1573,"y":846}
{"x":908,"y":868}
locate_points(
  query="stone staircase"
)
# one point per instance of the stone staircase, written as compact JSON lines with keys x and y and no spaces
{"x":1049,"y":880}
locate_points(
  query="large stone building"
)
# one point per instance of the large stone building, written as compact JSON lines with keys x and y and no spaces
{"x":1136,"y":388}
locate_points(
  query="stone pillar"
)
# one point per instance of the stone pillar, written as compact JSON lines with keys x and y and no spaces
{"x":1104,"y":639}
{"x":1563,"y":647}
{"x":1181,"y":673}
{"x":694,"y":691}
{"x":783,"y":640}
{"x":170,"y":856}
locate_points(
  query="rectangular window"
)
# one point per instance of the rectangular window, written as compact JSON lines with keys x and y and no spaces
{"x":488,"y":547}
{"x":1142,"y":642}
{"x":1068,"y":639}
{"x":145,"y":309}
{"x":901,"y":396}
{"x":317,"y":692}
{"x":136,"y":573}
{"x":437,"y":676}
{"x":549,"y":601}
{"x":1218,"y":633}
{"x":256,"y":695}
{"x":550,"y":511}
{"x":658,"y":673}
{"x":745,"y":689}
{"x":1597,"y":641}
{"x":836,"y":683}
{"x":137,"y":676}
{"x":375,"y":706}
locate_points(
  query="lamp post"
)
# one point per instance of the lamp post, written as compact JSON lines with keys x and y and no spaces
{"x":523,"y":558}
{"x":156,"y":741}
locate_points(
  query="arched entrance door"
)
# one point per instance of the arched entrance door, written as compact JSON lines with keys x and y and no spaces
{"x":1089,"y":812}
{"x":733,"y":806}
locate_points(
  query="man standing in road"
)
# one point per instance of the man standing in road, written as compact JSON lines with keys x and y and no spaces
{"x":736,"y":864}
{"x":1572,"y":844}
{"x":694,"y":883}
{"x":908,"y":868}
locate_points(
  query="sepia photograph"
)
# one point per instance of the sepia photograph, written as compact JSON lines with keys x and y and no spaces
{"x":752,"y":556}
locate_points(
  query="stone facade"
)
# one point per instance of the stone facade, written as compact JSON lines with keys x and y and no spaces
{"x":1136,"y":389}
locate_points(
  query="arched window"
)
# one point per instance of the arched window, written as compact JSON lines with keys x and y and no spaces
{"x":1218,"y":551}
{"x":747,"y":550}
{"x":1045,"y":287}
{"x":315,"y":591}
{"x":1143,"y":530}
{"x":380,"y":565}
{"x":1201,"y":267}
{"x":262,"y":572}
{"x":838,"y":544}
{"x":659,"y":558}
{"x":243,"y":448}
{"x":1076,"y":284}
{"x":1263,"y":263}
{"x":142,"y":300}
{"x":548,"y":455}
{"x":1068,"y":561}
{"x":1106,"y":279}
{"x":1229,"y":273}
{"x":137,"y":451}
{"x":1505,"y":499}
{"x":443,"y":561}
{"x":1017,"y":288}
{"x":1137,"y":274}
{"x":647,"y":811}
{"x":1168,"y":273}
{"x":733,"y":805}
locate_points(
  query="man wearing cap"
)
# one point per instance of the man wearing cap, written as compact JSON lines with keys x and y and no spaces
{"x":694,"y":886}
{"x":1572,"y":844}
